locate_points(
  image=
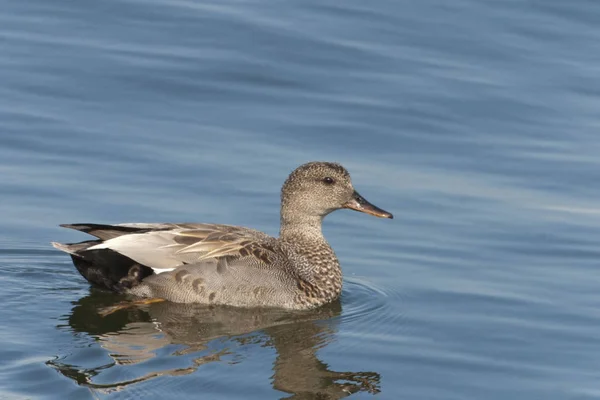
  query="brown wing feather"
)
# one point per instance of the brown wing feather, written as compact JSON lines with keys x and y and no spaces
{"x":219,"y":241}
{"x":168,"y":245}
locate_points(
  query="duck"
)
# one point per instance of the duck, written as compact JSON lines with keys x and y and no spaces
{"x":229,"y":265}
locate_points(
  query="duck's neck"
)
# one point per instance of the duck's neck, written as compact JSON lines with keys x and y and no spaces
{"x":315,"y":260}
{"x":307,"y":228}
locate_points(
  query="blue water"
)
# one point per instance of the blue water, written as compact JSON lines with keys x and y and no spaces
{"x":474,"y":122}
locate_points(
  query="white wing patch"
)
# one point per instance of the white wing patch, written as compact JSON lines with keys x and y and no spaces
{"x":160,"y":271}
{"x":153,"y":249}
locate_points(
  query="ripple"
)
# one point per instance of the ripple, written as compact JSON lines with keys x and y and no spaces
{"x":370,"y":307}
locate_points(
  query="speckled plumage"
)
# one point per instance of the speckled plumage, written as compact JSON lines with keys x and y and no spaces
{"x":223,"y":264}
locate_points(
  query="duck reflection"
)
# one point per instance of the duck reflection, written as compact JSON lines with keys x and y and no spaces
{"x":134,"y":335}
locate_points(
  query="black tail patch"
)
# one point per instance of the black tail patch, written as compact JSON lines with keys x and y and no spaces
{"x":109,"y":269}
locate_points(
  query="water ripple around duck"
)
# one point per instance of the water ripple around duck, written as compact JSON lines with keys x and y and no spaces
{"x":370,"y":307}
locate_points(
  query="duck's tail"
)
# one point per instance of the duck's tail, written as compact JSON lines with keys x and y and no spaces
{"x":105,"y":267}
{"x":73,"y":248}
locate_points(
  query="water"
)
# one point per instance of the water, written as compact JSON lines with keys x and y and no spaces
{"x":474,"y":122}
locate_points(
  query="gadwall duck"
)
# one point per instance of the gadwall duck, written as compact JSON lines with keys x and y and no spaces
{"x":229,"y":265}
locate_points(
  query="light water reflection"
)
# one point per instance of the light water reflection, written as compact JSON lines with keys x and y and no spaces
{"x":200,"y":335}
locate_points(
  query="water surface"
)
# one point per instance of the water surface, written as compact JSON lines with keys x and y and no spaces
{"x":474,"y":122}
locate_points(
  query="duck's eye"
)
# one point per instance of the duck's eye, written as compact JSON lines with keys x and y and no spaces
{"x":329,"y":181}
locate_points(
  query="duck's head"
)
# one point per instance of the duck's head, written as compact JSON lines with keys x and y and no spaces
{"x":317,"y":188}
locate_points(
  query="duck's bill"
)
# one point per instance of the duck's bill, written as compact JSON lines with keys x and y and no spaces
{"x":359,"y":203}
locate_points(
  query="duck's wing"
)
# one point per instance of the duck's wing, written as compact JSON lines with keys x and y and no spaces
{"x":164,"y":247}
